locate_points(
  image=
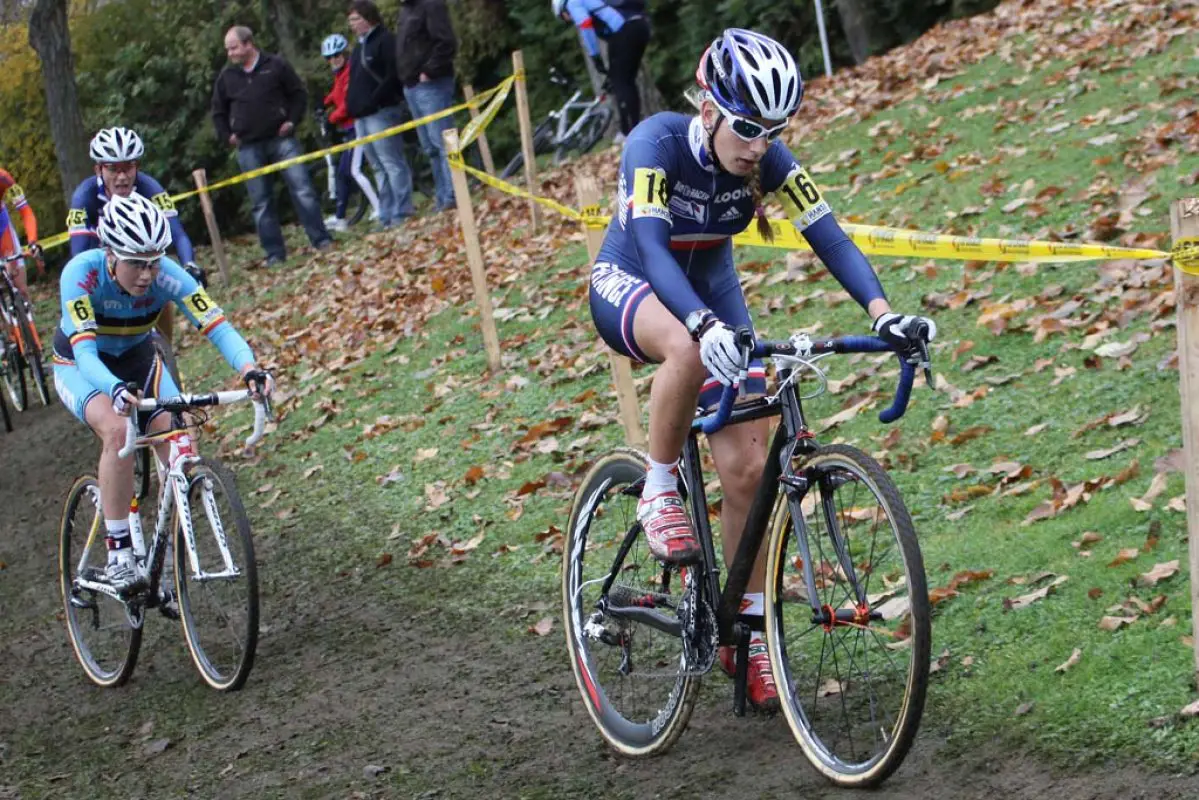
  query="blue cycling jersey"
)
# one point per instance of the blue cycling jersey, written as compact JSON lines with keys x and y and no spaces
{"x":678,"y":212}
{"x":98,"y":316}
{"x":89,"y":198}
{"x":593,"y":17}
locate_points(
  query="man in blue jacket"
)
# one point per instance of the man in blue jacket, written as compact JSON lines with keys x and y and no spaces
{"x":373,"y":100}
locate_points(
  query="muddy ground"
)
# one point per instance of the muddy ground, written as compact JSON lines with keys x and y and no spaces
{"x":348,"y":680}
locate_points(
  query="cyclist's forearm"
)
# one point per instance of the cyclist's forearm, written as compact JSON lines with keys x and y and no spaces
{"x":845,"y":261}
{"x":233,"y":347}
{"x":87,"y":359}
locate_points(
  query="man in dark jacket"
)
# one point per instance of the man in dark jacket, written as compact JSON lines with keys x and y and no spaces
{"x":373,"y":100}
{"x":257,"y":102}
{"x":425,"y":48}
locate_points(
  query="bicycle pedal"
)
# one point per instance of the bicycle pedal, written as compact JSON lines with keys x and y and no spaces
{"x":77,"y":601}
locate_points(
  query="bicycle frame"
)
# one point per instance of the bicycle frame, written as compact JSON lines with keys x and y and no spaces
{"x":564,"y":133}
{"x":22,"y":306}
{"x":172,"y":495}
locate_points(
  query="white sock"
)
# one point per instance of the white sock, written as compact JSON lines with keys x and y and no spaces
{"x":118,"y":531}
{"x":756,"y":604}
{"x":659,"y":478}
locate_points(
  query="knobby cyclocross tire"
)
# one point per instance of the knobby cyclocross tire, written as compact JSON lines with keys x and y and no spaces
{"x":852,"y":693}
{"x":12,"y":373}
{"x":222,"y":641}
{"x":543,"y":137}
{"x":4,"y":413}
{"x":590,"y":133}
{"x":643,"y":711}
{"x":33,"y":359}
{"x":104,"y":642}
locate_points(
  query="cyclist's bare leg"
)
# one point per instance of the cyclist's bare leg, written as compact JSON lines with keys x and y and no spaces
{"x":166,"y":323}
{"x":677,"y":381}
{"x":740,"y":455}
{"x":116,"y":473}
{"x":17,"y":273}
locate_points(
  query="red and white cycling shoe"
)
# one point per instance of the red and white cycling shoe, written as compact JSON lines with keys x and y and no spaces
{"x":761,"y":690}
{"x":671,"y":539}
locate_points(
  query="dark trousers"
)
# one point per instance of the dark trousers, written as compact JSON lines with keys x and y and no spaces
{"x":625,"y":49}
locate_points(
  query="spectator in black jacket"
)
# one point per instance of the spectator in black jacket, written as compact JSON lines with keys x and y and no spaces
{"x":257,"y":102}
{"x":425,"y":48}
{"x":373,"y":100}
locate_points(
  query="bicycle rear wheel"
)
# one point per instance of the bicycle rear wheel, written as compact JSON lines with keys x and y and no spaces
{"x":543,"y":137}
{"x":104,"y":642}
{"x":218,"y":593}
{"x":4,"y":413}
{"x":590,"y":133}
{"x":631,"y":675}
{"x":853,"y":690}
{"x":33,"y":359}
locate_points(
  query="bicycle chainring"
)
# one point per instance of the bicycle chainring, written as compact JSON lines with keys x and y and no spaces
{"x":699,"y":629}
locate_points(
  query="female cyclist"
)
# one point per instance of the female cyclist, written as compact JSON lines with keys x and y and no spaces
{"x":664,"y":288}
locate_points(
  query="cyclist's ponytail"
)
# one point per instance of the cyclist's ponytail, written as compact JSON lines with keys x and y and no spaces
{"x":754,"y":182}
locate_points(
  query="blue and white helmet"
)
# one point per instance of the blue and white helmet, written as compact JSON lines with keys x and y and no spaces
{"x":116,"y":146}
{"x":133,"y":227}
{"x":334,"y":43}
{"x":750,"y":74}
{"x":558,"y":6}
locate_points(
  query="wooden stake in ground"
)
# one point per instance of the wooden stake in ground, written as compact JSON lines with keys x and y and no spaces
{"x":588,"y":191}
{"x":526,"y":132}
{"x":1184,"y":227}
{"x":484,"y":148}
{"x":200,"y":176}
{"x":474,"y":255}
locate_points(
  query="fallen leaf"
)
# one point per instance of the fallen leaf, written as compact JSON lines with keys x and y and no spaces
{"x":970,"y":434}
{"x":1095,"y":455}
{"x":1025,"y":600}
{"x":1069,"y":662}
{"x":543,"y":626}
{"x":424,"y":454}
{"x":1156,"y":487}
{"x":1124,"y":556}
{"x":1160,"y":572}
{"x":308,"y":473}
{"x":1191,"y":710}
{"x":1023,"y":709}
{"x":155,"y":747}
{"x":384,"y":560}
{"x":1115,"y":623}
{"x":473,"y":475}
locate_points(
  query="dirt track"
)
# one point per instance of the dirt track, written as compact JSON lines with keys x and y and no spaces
{"x":347,"y":678}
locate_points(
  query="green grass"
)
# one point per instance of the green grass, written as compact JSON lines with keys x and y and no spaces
{"x":992,"y":131}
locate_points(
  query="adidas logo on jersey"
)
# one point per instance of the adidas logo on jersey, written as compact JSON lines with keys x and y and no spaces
{"x":729,"y":216}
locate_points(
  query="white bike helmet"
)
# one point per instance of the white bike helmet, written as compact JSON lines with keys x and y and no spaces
{"x":557,"y":5}
{"x":750,"y":74}
{"x":116,"y":145}
{"x":133,"y":227}
{"x":334,"y":43}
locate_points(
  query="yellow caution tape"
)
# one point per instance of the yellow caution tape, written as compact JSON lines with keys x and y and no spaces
{"x":54,"y":241}
{"x":479,"y":123}
{"x":1185,"y":254}
{"x":885,"y":241}
{"x":374,"y":137}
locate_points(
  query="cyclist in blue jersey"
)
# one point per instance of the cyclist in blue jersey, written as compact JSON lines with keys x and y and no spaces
{"x":103,"y":357}
{"x":116,"y":153}
{"x":664,"y":288}
{"x":624,"y":24}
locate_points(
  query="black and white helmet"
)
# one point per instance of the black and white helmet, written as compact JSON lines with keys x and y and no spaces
{"x":116,"y":145}
{"x":133,"y":227}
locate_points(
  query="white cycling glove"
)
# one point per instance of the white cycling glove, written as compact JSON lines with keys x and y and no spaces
{"x":719,"y":352}
{"x":123,"y":401}
{"x":894,"y":328}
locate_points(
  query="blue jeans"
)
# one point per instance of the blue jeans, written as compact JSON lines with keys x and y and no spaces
{"x":391,"y":168}
{"x":299,"y":185}
{"x":425,"y":99}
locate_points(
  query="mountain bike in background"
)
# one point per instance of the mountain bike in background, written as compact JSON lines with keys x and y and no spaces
{"x":563,"y":133}
{"x":20,"y":346}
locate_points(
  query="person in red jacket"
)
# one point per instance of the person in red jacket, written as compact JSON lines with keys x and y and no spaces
{"x":350,"y":164}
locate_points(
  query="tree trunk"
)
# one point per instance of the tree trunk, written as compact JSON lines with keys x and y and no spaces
{"x":50,"y":38}
{"x":862,"y":28}
{"x":280,"y":15}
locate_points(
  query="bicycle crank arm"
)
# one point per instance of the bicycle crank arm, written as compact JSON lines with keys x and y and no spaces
{"x":102,"y":588}
{"x":203,"y":577}
{"x":843,"y":616}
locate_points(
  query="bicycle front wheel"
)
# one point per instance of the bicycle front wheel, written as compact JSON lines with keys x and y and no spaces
{"x":631,"y":675}
{"x":591,"y":131}
{"x":4,"y":413}
{"x":852,"y":669}
{"x":543,"y":137}
{"x":105,"y":643}
{"x":33,"y":360}
{"x":12,"y":375}
{"x":216,"y":577}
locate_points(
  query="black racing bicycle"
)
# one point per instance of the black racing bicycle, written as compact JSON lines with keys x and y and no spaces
{"x":846,"y":602}
{"x":560,"y":134}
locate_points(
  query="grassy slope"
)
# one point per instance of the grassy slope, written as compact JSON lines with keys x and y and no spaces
{"x":339,"y":521}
